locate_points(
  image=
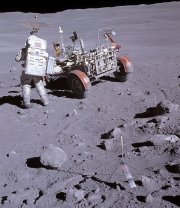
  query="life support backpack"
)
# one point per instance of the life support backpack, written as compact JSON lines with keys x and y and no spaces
{"x":36,"y":61}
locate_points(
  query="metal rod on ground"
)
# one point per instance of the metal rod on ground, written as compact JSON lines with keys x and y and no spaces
{"x":126,"y":169}
{"x":122,"y":148}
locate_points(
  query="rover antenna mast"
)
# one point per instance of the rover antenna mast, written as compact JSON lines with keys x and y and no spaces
{"x":61,"y":41}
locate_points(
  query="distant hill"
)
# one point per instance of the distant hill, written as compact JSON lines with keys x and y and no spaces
{"x":53,"y":6}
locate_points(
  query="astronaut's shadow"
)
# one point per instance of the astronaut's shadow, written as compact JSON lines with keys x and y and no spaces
{"x":16,"y":100}
{"x":12,"y":100}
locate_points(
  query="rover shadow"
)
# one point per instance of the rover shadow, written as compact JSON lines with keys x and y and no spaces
{"x":62,"y":93}
{"x":109,"y":78}
{"x":96,"y":82}
{"x":103,"y":79}
{"x":57,"y":83}
{"x":59,"y":87}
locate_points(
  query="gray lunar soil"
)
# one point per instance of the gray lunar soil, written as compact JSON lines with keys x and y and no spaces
{"x":120,"y":146}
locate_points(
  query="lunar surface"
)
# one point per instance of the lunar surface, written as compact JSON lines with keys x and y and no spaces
{"x":120,"y":146}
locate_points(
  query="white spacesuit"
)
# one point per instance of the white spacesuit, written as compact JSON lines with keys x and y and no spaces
{"x":34,"y":58}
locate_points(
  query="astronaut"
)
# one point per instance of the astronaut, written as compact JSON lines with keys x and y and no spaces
{"x":34,"y":62}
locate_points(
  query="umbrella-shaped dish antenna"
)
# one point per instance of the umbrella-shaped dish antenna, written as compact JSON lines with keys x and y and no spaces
{"x":35,"y":25}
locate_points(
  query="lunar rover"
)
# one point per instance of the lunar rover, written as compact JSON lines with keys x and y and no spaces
{"x":80,"y":67}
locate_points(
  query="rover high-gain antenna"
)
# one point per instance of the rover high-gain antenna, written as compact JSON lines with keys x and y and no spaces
{"x":35,"y":25}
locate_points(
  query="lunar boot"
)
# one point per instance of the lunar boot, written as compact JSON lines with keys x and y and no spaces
{"x":42,"y":92}
{"x":26,"y":91}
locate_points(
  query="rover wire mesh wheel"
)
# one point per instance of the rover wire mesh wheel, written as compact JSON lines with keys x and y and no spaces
{"x":120,"y":74}
{"x":77,"y":86}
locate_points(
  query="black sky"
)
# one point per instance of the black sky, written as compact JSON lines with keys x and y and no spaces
{"x":51,"y":6}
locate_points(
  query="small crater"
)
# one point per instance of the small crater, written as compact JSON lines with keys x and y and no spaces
{"x":61,"y":196}
{"x":141,"y":198}
{"x":120,"y":156}
{"x":173,"y":199}
{"x":156,"y":171}
{"x":139,"y":183}
{"x":78,"y":187}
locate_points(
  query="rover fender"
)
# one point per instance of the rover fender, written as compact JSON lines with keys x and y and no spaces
{"x":79,"y":83}
{"x":126,"y":63}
